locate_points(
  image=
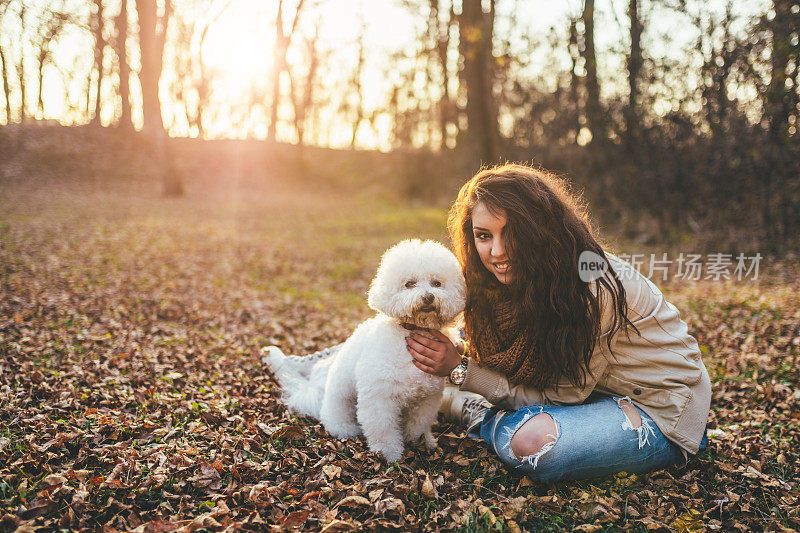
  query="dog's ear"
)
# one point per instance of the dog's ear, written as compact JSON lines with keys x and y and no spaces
{"x":379,"y":296}
{"x":381,"y":292}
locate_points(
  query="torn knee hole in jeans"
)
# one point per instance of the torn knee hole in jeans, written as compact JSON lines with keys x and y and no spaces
{"x":644,"y":430}
{"x":550,"y":437}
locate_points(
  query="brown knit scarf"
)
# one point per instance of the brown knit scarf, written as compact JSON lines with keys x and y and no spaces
{"x":504,"y":347}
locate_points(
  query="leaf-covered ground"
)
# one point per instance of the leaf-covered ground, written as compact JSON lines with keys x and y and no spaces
{"x":132,"y":397}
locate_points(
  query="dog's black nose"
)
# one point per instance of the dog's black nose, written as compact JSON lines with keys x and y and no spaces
{"x":427,"y":298}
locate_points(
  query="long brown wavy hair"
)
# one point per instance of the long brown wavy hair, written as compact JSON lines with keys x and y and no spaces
{"x":547,"y":228}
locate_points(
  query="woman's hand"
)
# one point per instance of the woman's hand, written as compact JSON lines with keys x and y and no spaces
{"x":436,"y":356}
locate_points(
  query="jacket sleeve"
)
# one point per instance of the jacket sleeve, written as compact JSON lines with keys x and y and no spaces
{"x":496,"y":388}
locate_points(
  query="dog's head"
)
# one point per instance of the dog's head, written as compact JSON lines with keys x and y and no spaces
{"x":420,"y":283}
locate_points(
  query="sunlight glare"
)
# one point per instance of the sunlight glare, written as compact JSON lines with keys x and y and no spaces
{"x":238,"y":47}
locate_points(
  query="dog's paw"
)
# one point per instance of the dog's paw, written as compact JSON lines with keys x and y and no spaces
{"x":410,"y":436}
{"x":391,"y":452}
{"x":430,"y":441}
{"x":344,"y":431}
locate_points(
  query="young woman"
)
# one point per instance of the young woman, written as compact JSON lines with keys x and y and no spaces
{"x":587,"y":369}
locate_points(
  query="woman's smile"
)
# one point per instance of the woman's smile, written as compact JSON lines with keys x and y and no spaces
{"x":501,"y":268}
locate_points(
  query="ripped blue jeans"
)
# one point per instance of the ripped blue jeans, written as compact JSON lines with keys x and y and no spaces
{"x":593,"y":439}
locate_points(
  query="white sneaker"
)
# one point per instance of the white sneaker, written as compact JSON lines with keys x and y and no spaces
{"x":465,"y":407}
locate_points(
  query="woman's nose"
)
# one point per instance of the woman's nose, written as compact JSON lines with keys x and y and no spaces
{"x":498,"y":248}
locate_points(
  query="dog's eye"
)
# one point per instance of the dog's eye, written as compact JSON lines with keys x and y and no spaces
{"x":436,"y":283}
{"x":410,"y":284}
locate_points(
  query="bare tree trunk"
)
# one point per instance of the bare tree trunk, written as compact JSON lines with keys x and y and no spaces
{"x":87,"y":104}
{"x":714,"y":75}
{"x":475,"y":46}
{"x":779,"y":100}
{"x":434,"y":41}
{"x":304,"y":104}
{"x":6,"y":92}
{"x":4,"y":65}
{"x":151,"y":44}
{"x":775,"y":107}
{"x":357,"y":86}
{"x":202,"y":99}
{"x":151,"y":64}
{"x":21,"y":66}
{"x":722,"y":72}
{"x":594,"y":113}
{"x":202,"y":89}
{"x":777,"y":92}
{"x":634,"y":67}
{"x":281,"y":46}
{"x":203,"y":85}
{"x":575,"y":80}
{"x":48,"y":28}
{"x":99,"y":49}
{"x":440,"y":38}
{"x":40,"y":77}
{"x":121,"y":47}
{"x":278,"y":65}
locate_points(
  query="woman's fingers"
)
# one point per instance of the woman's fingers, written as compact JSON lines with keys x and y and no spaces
{"x":425,"y":341}
{"x":422,"y":367}
{"x":419,"y":347}
{"x":414,"y":343}
{"x":432,"y":354}
{"x":427,"y":361}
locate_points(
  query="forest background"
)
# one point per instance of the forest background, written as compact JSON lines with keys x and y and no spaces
{"x":675,"y":116}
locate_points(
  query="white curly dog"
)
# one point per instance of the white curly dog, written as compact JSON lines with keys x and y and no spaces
{"x":369,"y":384}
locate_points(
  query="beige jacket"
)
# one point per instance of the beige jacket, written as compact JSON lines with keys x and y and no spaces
{"x":659,"y":370}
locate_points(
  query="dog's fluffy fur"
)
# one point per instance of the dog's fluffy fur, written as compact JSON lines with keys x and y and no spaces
{"x":370,"y":384}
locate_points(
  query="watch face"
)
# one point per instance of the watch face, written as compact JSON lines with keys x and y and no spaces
{"x":458,"y":374}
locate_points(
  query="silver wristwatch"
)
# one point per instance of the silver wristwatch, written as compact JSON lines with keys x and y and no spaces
{"x":459,"y":373}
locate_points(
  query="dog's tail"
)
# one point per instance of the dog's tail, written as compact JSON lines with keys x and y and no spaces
{"x":301,"y":365}
{"x":300,"y":394}
{"x":285,"y":368}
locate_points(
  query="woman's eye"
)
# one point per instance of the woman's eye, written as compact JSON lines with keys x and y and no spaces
{"x":436,"y":283}
{"x":410,"y":284}
{"x":482,"y":236}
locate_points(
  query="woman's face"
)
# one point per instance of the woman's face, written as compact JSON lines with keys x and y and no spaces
{"x":487,"y":230}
